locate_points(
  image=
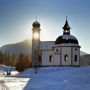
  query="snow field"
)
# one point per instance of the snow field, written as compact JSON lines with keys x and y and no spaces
{"x":48,"y":78}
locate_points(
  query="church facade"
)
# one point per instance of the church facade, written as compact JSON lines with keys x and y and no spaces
{"x":64,"y":51}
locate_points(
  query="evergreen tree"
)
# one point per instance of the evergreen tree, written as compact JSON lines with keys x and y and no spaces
{"x":23,"y":63}
{"x":1,"y":57}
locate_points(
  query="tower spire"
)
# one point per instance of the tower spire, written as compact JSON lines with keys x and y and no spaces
{"x":36,"y":18}
{"x":66,"y":17}
{"x":66,"y":27}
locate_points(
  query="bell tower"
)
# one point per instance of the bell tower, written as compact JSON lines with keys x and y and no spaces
{"x":35,"y":43}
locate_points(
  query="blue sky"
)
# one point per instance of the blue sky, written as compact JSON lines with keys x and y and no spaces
{"x":17,"y":16}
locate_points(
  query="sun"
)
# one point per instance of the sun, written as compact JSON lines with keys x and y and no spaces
{"x":36,"y":35}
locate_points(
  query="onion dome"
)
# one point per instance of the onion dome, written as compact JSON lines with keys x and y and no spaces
{"x":66,"y":39}
{"x":36,"y":24}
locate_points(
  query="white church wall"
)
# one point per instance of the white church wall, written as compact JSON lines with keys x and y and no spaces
{"x":57,"y":55}
{"x":76,"y":51}
{"x":57,"y":50}
{"x":48,"y":49}
{"x":66,"y":51}
{"x":46,"y":59}
{"x":46,"y":45}
{"x":57,"y":59}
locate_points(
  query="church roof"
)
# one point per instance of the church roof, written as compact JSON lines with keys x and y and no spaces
{"x":65,"y":39}
{"x":47,"y":45}
{"x":67,"y":45}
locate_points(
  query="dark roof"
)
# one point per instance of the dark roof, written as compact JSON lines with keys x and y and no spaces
{"x":66,"y":26}
{"x":64,"y":40}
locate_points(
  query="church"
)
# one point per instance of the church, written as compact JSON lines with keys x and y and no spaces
{"x":64,"y":51}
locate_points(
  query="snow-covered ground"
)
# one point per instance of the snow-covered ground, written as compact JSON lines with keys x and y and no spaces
{"x":48,"y":78}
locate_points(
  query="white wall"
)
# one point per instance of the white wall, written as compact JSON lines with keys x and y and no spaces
{"x":57,"y":56}
{"x":77,"y":52}
{"x":70,"y":51}
{"x":66,"y":51}
{"x":57,"y":59}
{"x":45,"y":58}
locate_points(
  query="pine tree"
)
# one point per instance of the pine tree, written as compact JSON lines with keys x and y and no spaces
{"x":23,"y":63}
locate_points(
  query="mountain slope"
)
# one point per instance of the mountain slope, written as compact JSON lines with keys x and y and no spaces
{"x":85,"y":60}
{"x":18,"y":48}
{"x":83,"y":53}
{"x":24,"y":47}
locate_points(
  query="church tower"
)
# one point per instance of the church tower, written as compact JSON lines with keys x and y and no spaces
{"x":68,"y":47}
{"x":35,"y":43}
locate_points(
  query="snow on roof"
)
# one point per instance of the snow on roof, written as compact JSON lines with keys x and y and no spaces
{"x":68,"y":44}
{"x":67,"y":36}
{"x":47,"y":45}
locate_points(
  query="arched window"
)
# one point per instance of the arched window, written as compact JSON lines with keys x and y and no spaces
{"x":51,"y":58}
{"x":66,"y":31}
{"x":40,"y":60}
{"x":57,"y":50}
{"x":75,"y":49}
{"x":66,"y":58}
{"x":75,"y":58}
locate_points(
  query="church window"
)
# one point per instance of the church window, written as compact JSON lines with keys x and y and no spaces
{"x":75,"y":58}
{"x":51,"y":58}
{"x":57,"y":50}
{"x":67,"y":31}
{"x":75,"y":49}
{"x":40,"y":59}
{"x":53,"y":48}
{"x":66,"y":58}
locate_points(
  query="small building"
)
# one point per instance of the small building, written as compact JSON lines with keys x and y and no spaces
{"x":64,"y":51}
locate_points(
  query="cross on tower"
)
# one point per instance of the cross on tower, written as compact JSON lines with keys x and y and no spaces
{"x":36,"y":18}
{"x":66,"y":17}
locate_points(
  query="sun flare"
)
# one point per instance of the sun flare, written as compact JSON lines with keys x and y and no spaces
{"x":36,"y":35}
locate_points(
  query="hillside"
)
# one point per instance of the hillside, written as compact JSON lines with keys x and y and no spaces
{"x":24,"y":47}
{"x":85,"y":60}
{"x":18,"y":48}
{"x":83,"y":53}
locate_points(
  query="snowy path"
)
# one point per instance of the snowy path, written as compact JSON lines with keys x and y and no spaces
{"x":9,"y":83}
{"x":13,"y":81}
{"x":3,"y":86}
{"x":2,"y":83}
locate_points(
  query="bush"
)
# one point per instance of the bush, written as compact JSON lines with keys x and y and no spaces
{"x":23,"y":63}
